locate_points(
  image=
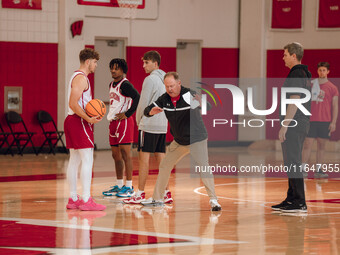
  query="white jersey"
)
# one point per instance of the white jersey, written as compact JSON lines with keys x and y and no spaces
{"x":118,"y":102}
{"x":85,"y":97}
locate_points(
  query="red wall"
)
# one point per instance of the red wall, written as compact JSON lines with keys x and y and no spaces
{"x":277,"y":69}
{"x":34,"y":66}
{"x":220,"y":63}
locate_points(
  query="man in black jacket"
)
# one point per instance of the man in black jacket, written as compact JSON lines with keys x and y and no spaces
{"x":187,"y":139}
{"x":292,"y":137}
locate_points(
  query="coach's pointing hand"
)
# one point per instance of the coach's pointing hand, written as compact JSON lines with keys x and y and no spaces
{"x":155,"y":110}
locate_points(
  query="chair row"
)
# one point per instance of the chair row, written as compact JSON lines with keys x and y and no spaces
{"x":22,"y":137}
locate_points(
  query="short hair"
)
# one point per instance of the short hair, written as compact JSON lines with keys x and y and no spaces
{"x":295,"y":48}
{"x":324,"y":64}
{"x":88,"y":53}
{"x":121,"y":63}
{"x":152,"y":55}
{"x":173,"y":74}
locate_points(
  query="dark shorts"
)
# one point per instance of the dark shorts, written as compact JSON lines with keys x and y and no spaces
{"x":319,"y":129}
{"x":148,"y":142}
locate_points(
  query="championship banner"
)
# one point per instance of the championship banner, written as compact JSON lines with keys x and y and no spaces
{"x":22,"y":4}
{"x":286,"y":14}
{"x":329,"y":14}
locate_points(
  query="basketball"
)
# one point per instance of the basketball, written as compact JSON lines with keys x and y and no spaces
{"x":95,"y":107}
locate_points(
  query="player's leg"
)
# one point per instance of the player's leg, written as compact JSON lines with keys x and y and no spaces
{"x":119,"y":166}
{"x":117,"y":158}
{"x":160,"y":147}
{"x":322,"y":137}
{"x":86,"y":177}
{"x":321,"y":146}
{"x":307,"y":149}
{"x":175,"y":153}
{"x":119,"y":162}
{"x":72,"y":176}
{"x":127,"y":190}
{"x":86,"y":156}
{"x":307,"y":146}
{"x":167,"y":193}
{"x":143,"y":158}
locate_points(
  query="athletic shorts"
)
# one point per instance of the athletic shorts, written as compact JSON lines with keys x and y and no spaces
{"x":318,"y":129}
{"x":78,"y":133}
{"x":121,"y":131}
{"x":148,"y":142}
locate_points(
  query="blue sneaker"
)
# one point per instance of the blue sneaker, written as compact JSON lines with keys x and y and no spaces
{"x":112,"y":191}
{"x":126,"y":192}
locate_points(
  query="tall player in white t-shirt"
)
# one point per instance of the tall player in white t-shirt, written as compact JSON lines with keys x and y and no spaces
{"x":79,"y":133}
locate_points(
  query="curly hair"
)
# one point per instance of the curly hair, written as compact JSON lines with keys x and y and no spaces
{"x":120,"y":63}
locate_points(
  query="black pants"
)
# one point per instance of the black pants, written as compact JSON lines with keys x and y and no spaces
{"x":292,"y":157}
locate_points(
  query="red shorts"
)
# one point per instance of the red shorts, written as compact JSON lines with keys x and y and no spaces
{"x":78,"y":133}
{"x":121,"y":131}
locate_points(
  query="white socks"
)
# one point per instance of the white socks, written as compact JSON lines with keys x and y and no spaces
{"x":120,"y":183}
{"x":129,"y":184}
{"x":84,"y":156}
{"x":139,"y":192}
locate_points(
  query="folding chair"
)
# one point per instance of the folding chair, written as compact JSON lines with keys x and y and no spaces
{"x":4,"y":140}
{"x":51,"y":132}
{"x":21,"y":136}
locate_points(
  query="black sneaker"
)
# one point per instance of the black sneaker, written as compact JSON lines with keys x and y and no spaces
{"x":294,"y":208}
{"x":278,"y":207}
{"x":320,"y":174}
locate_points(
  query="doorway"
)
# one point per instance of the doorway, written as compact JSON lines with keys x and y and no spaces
{"x":189,"y":62}
{"x":108,"y":49}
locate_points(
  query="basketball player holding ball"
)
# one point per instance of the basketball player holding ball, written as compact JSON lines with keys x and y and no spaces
{"x":124,"y":99}
{"x":78,"y":127}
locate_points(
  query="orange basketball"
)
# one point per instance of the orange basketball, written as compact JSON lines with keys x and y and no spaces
{"x":95,"y":107}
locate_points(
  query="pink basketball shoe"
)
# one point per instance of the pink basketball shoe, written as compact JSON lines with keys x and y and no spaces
{"x":91,"y":205}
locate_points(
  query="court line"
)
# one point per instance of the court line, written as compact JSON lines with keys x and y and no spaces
{"x":231,"y":184}
{"x":192,"y":240}
{"x":255,"y":201}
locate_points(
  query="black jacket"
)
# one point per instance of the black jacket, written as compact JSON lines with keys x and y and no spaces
{"x":299,"y":77}
{"x":186,"y":124}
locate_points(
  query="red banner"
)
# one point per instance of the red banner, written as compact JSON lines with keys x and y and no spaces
{"x":22,"y":4}
{"x":329,"y":14}
{"x":112,"y":3}
{"x":287,"y":14}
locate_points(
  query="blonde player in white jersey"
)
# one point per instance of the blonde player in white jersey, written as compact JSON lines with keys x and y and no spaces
{"x":79,"y":133}
{"x":124,"y":100}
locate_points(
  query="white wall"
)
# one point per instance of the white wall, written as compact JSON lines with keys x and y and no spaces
{"x":310,"y":37}
{"x":213,"y":22}
{"x":21,"y":25}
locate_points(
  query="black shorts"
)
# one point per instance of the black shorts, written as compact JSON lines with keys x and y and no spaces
{"x":318,"y":129}
{"x":148,"y":142}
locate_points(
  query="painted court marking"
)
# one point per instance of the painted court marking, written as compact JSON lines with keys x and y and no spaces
{"x":192,"y":241}
{"x":197,"y":191}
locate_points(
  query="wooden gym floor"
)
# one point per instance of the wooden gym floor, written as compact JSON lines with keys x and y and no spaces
{"x":33,"y":218}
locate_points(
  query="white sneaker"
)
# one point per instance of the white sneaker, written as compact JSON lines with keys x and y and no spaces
{"x":215,"y":206}
{"x":167,"y":198}
{"x":152,"y":202}
{"x":136,"y":199}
